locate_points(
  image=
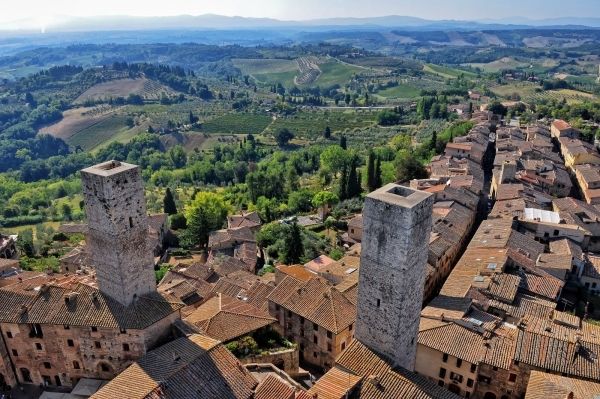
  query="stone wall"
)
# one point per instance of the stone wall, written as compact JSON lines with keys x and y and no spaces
{"x":287,"y":360}
{"x":118,"y":230}
{"x":64,"y":354}
{"x":396,"y":228}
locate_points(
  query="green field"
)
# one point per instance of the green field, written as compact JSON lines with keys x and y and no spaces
{"x":532,"y":92}
{"x":273,"y":71}
{"x":237,"y":123}
{"x":448,"y":73}
{"x":400,"y":91}
{"x":99,"y":133}
{"x":312,"y":124}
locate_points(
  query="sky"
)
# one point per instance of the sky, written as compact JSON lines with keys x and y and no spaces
{"x":44,"y":10}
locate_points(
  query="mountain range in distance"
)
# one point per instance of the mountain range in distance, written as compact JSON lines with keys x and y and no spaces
{"x":211,"y":21}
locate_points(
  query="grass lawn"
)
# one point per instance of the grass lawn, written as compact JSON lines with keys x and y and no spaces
{"x":400,"y":91}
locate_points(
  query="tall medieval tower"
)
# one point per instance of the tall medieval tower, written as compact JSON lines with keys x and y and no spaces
{"x":396,"y":228}
{"x":118,"y":228}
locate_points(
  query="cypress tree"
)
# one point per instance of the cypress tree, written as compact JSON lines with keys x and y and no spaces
{"x":353,"y":182}
{"x":378,"y":181}
{"x":343,"y":142}
{"x":343,"y":187}
{"x":371,"y":172}
{"x":295,"y":248}
{"x":169,"y":206}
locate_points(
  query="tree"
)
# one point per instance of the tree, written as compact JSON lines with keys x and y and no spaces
{"x":371,"y":171}
{"x":327,"y":133}
{"x":283,"y":137}
{"x":323,"y":198}
{"x":334,"y":158}
{"x":354,"y":187}
{"x":497,"y":108}
{"x":377,"y":178}
{"x":343,"y":142}
{"x":388,"y":118}
{"x":408,"y":167}
{"x":25,"y":243}
{"x":207,"y":212}
{"x":294,"y":248}
{"x":67,"y":211}
{"x":169,"y":206}
{"x":343,"y":184}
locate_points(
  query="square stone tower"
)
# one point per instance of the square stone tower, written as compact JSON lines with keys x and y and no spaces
{"x":396,"y":227}
{"x":118,"y":230}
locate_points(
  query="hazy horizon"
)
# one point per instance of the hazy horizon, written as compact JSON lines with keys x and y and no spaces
{"x":42,"y":13}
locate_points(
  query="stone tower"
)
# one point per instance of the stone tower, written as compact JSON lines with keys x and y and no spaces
{"x":118,"y":228}
{"x":396,"y":227}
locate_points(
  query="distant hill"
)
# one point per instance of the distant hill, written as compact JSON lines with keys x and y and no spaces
{"x":211,"y":21}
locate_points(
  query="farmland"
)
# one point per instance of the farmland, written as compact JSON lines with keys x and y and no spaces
{"x":400,"y":91}
{"x":237,"y":123}
{"x":102,"y":132}
{"x":308,"y":124}
{"x":78,"y":119}
{"x":530,"y":92}
{"x":306,"y":71}
{"x":147,"y":89}
{"x":447,"y":72}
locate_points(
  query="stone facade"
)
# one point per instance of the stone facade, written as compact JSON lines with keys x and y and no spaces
{"x":317,"y":346}
{"x":397,"y":225}
{"x":286,"y":360}
{"x":118,"y":230}
{"x":60,"y":355}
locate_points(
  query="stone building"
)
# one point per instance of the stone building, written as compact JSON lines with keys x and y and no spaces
{"x":397,"y":225}
{"x":117,"y":230}
{"x":8,"y":247}
{"x":315,"y":315}
{"x":59,"y":329}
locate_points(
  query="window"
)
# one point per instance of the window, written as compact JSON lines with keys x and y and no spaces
{"x":315,"y":327}
{"x":442,"y":373}
{"x":66,"y":327}
{"x":277,"y":307}
{"x":26,"y":375}
{"x":512,"y":377}
{"x":36,"y":331}
{"x":343,"y":345}
{"x":47,"y":365}
{"x":456,"y":377}
{"x":76,"y":365}
{"x":329,"y":334}
{"x":441,"y":383}
{"x":94,"y":329}
{"x":470,"y":383}
{"x":97,"y":344}
{"x":70,"y":342}
{"x":378,"y":302}
{"x":9,"y":334}
{"x":473,"y":368}
{"x":483,"y":378}
{"x":301,"y":320}
{"x":516,"y":362}
{"x":104,"y":367}
{"x":350,"y":328}
{"x":289,"y":312}
{"x":458,"y":363}
{"x":126,"y":347}
{"x":130,"y":222}
{"x":38,"y":346}
{"x":445,"y":357}
{"x":316,"y":339}
{"x":329,"y":347}
{"x":315,"y":355}
{"x":15,"y":353}
{"x":495,"y":368}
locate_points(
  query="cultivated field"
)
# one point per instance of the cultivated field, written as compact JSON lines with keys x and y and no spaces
{"x":447,"y":72}
{"x":237,"y":123}
{"x":148,"y":89}
{"x":312,"y":124}
{"x":533,"y":92}
{"x":306,"y":71}
{"x":79,"y":119}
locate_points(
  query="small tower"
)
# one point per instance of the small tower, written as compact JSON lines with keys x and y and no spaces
{"x":117,"y":230}
{"x":396,"y":228}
